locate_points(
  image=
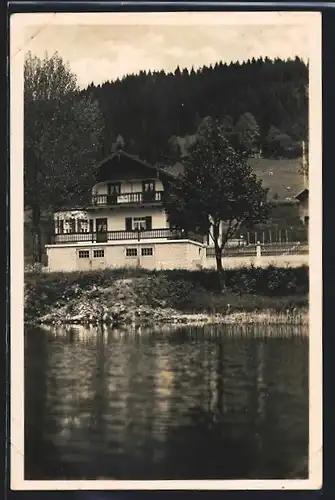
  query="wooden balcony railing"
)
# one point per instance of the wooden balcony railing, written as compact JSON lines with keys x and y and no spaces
{"x":118,"y":199}
{"x":105,"y":237}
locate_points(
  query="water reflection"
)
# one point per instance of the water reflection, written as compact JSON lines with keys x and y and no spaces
{"x":213,"y":402}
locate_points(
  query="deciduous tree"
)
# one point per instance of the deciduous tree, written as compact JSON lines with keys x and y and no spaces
{"x":246,"y":134}
{"x":61,"y":139}
{"x":217,"y":189}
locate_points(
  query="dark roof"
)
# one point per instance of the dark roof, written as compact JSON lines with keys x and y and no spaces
{"x":123,"y":154}
{"x":302,"y":194}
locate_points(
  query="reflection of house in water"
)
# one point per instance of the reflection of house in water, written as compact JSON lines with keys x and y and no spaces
{"x":139,"y":405}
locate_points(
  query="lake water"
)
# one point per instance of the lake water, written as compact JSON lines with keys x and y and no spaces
{"x":189,"y":403}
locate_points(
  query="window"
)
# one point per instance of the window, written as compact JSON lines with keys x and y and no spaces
{"x":114,"y":188}
{"x":101,"y":225}
{"x":148,"y":186}
{"x":147,"y":251}
{"x":84,"y":254}
{"x":59,"y":226}
{"x":82,"y":225}
{"x":139,"y":224}
{"x":114,"y":191}
{"x":70,"y":225}
{"x":306,"y":220}
{"x":131,"y":252}
{"x":98,"y":253}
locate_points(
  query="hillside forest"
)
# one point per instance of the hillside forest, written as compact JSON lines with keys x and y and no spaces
{"x":262,"y":105}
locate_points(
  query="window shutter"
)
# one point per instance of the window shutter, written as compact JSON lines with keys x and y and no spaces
{"x":129,"y":224}
{"x":148,"y":223}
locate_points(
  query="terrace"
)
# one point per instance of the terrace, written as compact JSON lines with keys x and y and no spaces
{"x":110,"y":236}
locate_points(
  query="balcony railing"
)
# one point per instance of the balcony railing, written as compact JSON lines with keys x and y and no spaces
{"x":118,"y":199}
{"x":105,"y":237}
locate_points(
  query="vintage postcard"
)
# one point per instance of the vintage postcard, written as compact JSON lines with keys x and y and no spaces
{"x":166,"y":234}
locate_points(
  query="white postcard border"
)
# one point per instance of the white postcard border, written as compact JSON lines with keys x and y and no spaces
{"x":18,"y":23}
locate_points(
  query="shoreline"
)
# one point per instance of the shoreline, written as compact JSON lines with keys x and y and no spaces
{"x":165,"y":318}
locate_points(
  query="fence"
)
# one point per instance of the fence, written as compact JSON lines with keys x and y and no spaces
{"x":263,"y":250}
{"x":274,"y":235}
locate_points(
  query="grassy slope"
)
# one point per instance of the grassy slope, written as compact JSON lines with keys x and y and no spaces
{"x":285,"y":179}
{"x":248,"y":290}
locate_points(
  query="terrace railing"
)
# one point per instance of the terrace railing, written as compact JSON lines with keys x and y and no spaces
{"x":109,"y":236}
{"x":125,"y":198}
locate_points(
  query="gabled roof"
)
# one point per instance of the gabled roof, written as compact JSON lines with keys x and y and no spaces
{"x":302,"y":194}
{"x":123,"y":154}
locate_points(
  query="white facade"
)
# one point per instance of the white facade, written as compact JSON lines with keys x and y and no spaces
{"x":116,"y":219}
{"x":150,"y":254}
{"x":125,"y":224}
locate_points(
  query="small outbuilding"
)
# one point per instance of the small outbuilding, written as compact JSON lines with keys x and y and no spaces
{"x":303,"y":198}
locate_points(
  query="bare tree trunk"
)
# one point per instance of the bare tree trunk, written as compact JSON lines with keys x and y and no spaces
{"x":218,"y":250}
{"x":37,"y":243}
{"x":218,"y":257}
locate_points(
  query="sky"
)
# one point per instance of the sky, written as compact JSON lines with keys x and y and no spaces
{"x":107,"y":51}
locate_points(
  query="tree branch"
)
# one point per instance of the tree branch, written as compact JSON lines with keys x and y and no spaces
{"x":229,"y":232}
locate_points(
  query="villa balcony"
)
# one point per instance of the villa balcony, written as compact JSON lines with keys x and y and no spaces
{"x":139,"y":198}
{"x":110,"y":236}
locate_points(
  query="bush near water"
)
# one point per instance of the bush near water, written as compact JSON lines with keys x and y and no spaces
{"x":205,"y":291}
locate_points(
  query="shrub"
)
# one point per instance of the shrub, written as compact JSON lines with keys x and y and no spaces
{"x":247,"y":288}
{"x":268,"y":281}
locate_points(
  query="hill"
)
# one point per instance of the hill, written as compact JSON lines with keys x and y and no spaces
{"x":281,"y":177}
{"x":150,"y":108}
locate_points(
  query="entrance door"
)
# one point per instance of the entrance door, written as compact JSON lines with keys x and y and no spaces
{"x":114,"y":190}
{"x":101,"y":225}
{"x":84,"y":259}
{"x":98,"y":258}
{"x":148,"y":188}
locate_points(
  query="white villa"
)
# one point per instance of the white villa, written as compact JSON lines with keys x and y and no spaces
{"x":124,"y":225}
